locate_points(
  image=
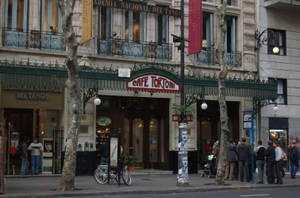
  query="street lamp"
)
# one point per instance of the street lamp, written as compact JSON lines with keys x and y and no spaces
{"x":204,"y":105}
{"x":97,"y":101}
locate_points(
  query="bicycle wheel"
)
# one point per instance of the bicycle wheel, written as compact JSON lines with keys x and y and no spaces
{"x":100,"y":176}
{"x":126,"y":177}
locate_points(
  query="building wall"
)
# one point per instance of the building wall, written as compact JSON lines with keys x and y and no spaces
{"x":285,"y":67}
{"x":244,"y":11}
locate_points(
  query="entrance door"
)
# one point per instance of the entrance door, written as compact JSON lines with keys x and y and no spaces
{"x":20,"y":128}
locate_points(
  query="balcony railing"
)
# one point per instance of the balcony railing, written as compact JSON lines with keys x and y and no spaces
{"x":209,"y":56}
{"x":135,"y":50}
{"x":32,"y":39}
{"x":229,"y":2}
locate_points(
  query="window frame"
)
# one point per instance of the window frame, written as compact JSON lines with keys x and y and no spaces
{"x":280,"y":95}
{"x":274,"y":34}
{"x":14,"y":16}
{"x":50,"y":30}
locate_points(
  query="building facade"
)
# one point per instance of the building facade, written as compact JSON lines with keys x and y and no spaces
{"x":134,"y":37}
{"x":277,"y":18}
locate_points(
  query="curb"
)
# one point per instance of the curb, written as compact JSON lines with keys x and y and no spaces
{"x":126,"y":192}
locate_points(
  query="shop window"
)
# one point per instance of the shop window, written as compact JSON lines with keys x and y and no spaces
{"x":281,"y":92}
{"x":105,"y":23}
{"x":277,"y":38}
{"x":280,"y":136}
{"x":51,"y":17}
{"x":16,"y":12}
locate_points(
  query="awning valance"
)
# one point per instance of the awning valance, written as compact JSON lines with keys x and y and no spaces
{"x":41,"y":77}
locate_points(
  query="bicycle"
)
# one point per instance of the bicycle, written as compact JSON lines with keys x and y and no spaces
{"x":101,"y":174}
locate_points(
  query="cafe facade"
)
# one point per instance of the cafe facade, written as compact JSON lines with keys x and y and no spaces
{"x":132,"y":65}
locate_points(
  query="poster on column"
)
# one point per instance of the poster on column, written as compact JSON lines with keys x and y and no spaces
{"x":114,"y":151}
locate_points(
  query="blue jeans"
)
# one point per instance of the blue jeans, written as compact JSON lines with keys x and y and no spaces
{"x":35,"y":162}
{"x":24,"y":166}
{"x":294,"y":168}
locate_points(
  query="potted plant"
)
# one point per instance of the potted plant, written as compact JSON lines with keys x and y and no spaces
{"x":130,"y":162}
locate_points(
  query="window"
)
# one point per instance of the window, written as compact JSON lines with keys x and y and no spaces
{"x":277,"y":38}
{"x":51,"y":17}
{"x":134,"y":24}
{"x":105,"y":23}
{"x":16,"y":14}
{"x":230,"y":36}
{"x":207,"y":30}
{"x":162,"y":29}
{"x":281,"y":92}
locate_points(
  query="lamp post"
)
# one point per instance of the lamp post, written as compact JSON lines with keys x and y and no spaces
{"x":262,"y":39}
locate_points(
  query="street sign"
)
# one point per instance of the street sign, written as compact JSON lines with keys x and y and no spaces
{"x":247,"y":119}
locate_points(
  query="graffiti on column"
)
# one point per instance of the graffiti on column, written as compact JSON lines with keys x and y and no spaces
{"x":182,"y":154}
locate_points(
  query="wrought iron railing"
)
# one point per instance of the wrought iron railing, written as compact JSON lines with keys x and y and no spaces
{"x":32,"y":39}
{"x":209,"y":56}
{"x":136,"y":50}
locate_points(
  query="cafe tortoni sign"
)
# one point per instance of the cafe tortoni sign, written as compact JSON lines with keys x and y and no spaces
{"x":153,"y":83}
{"x":136,"y":6}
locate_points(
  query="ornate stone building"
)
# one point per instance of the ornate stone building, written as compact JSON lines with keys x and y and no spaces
{"x":132,"y":64}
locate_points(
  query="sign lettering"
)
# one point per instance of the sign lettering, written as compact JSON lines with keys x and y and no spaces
{"x":136,"y":6}
{"x":153,"y":83}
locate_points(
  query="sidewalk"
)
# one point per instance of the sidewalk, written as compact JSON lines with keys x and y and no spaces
{"x":144,"y":182}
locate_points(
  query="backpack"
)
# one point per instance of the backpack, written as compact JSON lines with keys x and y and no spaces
{"x":294,"y":153}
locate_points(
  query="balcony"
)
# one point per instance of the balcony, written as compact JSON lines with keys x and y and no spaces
{"x":229,"y":2}
{"x":209,"y":56}
{"x":118,"y":47}
{"x":35,"y":39}
{"x":283,"y":4}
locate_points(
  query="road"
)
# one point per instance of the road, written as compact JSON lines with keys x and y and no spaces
{"x":251,"y":193}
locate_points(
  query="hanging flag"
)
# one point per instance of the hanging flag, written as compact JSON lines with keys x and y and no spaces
{"x":195,"y":26}
{"x":87,"y":16}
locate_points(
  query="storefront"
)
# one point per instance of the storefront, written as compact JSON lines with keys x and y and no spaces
{"x":140,"y":104}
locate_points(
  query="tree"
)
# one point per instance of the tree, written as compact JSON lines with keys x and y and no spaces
{"x":67,"y":182}
{"x":222,"y":96}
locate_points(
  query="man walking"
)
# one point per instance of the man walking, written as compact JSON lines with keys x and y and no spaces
{"x":260,"y":161}
{"x":231,"y":159}
{"x":293,"y":155}
{"x":244,"y":155}
{"x":270,"y":159}
{"x":36,"y":149}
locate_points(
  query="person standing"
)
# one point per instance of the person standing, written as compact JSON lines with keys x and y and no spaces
{"x":24,"y":158}
{"x":244,"y":154}
{"x":36,"y":148}
{"x":278,"y":158}
{"x":293,"y":155}
{"x":270,"y":160}
{"x":231,"y":159}
{"x":260,"y":161}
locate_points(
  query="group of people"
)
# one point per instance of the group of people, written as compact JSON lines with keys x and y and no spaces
{"x":36,"y":150}
{"x":270,"y":158}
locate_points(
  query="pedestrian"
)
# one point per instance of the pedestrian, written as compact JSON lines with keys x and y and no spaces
{"x":36,"y":148}
{"x":216,"y":151}
{"x":278,"y":160}
{"x":231,"y":157}
{"x":293,"y":155}
{"x":270,"y":161}
{"x":208,"y":147}
{"x":244,"y":154}
{"x":24,"y":157}
{"x":260,"y":161}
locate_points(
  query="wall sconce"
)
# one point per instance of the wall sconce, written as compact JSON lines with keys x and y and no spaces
{"x":97,"y":100}
{"x":189,"y":118}
{"x":204,"y":105}
{"x":275,"y":108}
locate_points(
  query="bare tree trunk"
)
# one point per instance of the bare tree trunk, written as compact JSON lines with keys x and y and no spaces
{"x":222,"y":97}
{"x":73,"y":90}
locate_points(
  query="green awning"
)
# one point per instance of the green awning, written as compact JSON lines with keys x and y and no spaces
{"x":51,"y":77}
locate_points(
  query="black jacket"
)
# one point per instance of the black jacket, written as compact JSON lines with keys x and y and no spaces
{"x":270,"y":154}
{"x":244,"y":153}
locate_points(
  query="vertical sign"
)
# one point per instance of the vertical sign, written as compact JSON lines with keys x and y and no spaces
{"x":195,"y":26}
{"x":87,"y":14}
{"x":114,"y":151}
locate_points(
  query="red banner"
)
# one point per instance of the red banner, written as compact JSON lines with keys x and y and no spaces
{"x":195,"y":26}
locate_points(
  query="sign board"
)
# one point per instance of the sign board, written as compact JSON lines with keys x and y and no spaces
{"x":124,"y":72}
{"x":247,"y":119}
{"x":153,"y":83}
